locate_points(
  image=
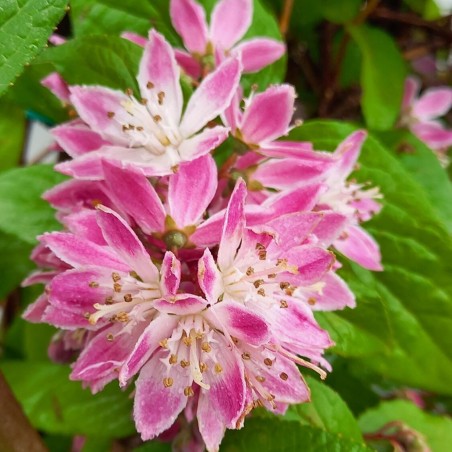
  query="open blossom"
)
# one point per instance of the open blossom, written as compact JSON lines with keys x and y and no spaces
{"x":151,"y":133}
{"x":421,"y":113}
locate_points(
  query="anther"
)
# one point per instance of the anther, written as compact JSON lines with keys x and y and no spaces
{"x":157,"y":118}
{"x":283,"y":304}
{"x":206,"y":347}
{"x":261,"y":292}
{"x":260,"y":379}
{"x":188,"y":391}
{"x":115,"y":277}
{"x":281,"y":262}
{"x":110,"y":337}
{"x":117,"y":287}
{"x":128,"y":297}
{"x":110,"y":114}
{"x":164,"y":343}
{"x":268,"y":362}
{"x":87,"y":315}
{"x":140,"y":129}
{"x":284,"y":285}
{"x":122,"y":317}
{"x":312,"y":301}
{"x":184,"y":363}
{"x":187,"y":341}
{"x":161,"y":97}
{"x":283,"y":376}
{"x":258,"y":283}
{"x":202,"y":367}
{"x":218,"y":368}
{"x":168,"y":382}
{"x":246,"y":356}
{"x":262,"y":255}
{"x":173,"y":359}
{"x":272,"y":275}
{"x":109,"y":300}
{"x":129,"y":91}
{"x":143,"y":101}
{"x":249,"y":271}
{"x":149,"y":85}
{"x":93,"y":284}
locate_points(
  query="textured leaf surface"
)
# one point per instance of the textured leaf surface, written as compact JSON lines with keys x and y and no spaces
{"x":12,"y":135}
{"x":25,"y":26}
{"x":55,"y":404}
{"x":407,"y":308}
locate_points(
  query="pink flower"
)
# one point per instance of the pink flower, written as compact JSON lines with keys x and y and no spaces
{"x":150,"y":133}
{"x":208,"y":46}
{"x":420,"y":114}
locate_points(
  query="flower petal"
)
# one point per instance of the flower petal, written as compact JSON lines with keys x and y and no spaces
{"x":191,"y":189}
{"x":209,"y":277}
{"x":135,"y":38}
{"x":330,"y":227}
{"x":156,"y":407}
{"x":347,"y":153}
{"x":268,"y":115}
{"x":434,"y":103}
{"x":84,"y":224}
{"x":136,"y":196}
{"x":412,"y":87}
{"x":182,"y":304}
{"x":436,"y":136}
{"x":229,"y":22}
{"x":159,"y":67}
{"x":233,"y":227}
{"x":170,"y":274}
{"x":202,"y":143}
{"x":296,"y":149}
{"x":57,"y":85}
{"x":212,"y":96}
{"x":189,"y":20}
{"x":335,"y":295}
{"x":126,"y":244}
{"x":360,"y":247}
{"x":258,"y":53}
{"x":188,"y":64}
{"x":35,"y":310}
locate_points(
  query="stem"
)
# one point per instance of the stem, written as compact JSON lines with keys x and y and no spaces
{"x":284,"y":22}
{"x":16,"y":432}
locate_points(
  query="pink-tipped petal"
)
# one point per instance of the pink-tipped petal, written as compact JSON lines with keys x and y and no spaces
{"x":268,"y":115}
{"x":202,"y":143}
{"x":233,"y":227}
{"x":84,"y":224}
{"x":229,"y":22}
{"x":436,"y":136}
{"x":189,"y":20}
{"x":183,"y":304}
{"x":434,"y":103}
{"x":35,"y":310}
{"x":258,"y":53}
{"x":79,"y":252}
{"x":136,"y":196}
{"x":158,"y":66}
{"x":156,"y":407}
{"x":191,"y":189}
{"x":170,"y":271}
{"x":57,"y":85}
{"x":232,"y":116}
{"x":133,"y":37}
{"x":412,"y":87}
{"x":348,"y":152}
{"x":208,"y":233}
{"x":335,"y":295}
{"x":330,"y":227}
{"x":188,"y":64}
{"x":296,"y":149}
{"x":359,"y":246}
{"x":211,"y":428}
{"x":86,"y":167}
{"x":212,"y":96}
{"x":119,"y":235}
{"x":62,"y":318}
{"x":209,"y":277}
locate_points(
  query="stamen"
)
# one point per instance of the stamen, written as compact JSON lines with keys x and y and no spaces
{"x":149,"y":85}
{"x":168,"y":382}
{"x":173,"y":359}
{"x":218,"y":368}
{"x":128,"y":297}
{"x":283,"y":376}
{"x":110,"y":114}
{"x":206,"y":347}
{"x":188,"y":391}
{"x":93,"y":284}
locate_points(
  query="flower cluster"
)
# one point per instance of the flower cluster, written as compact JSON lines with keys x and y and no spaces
{"x":198,"y":284}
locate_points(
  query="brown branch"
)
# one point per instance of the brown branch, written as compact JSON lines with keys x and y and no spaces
{"x":284,"y":21}
{"x":16,"y":432}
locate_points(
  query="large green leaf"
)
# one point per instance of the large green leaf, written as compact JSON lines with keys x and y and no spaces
{"x":55,"y":404}
{"x":273,"y":435}
{"x":98,"y":60}
{"x":437,"y":430}
{"x":24,"y":214}
{"x":381,"y":99}
{"x":326,"y":411}
{"x":407,"y":308}
{"x":424,"y":166}
{"x":25,"y":26}
{"x":12,"y":135}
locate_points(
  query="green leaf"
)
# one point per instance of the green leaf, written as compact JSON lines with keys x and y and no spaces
{"x":437,"y":430}
{"x":25,"y":26}
{"x":154,"y":446}
{"x":273,"y":435}
{"x":424,"y":166}
{"x":340,"y":12}
{"x":12,"y":135}
{"x":98,"y":60}
{"x":407,"y":308}
{"x":24,"y":214}
{"x":54,"y":404}
{"x":381,"y":100}
{"x":427,"y":8}
{"x":326,"y":411}
{"x":116,"y":16}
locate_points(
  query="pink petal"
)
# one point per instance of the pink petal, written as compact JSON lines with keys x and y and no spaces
{"x":412,"y":87}
{"x":360,"y":247}
{"x":35,"y":310}
{"x":436,"y":136}
{"x":133,"y":37}
{"x":86,"y":167}
{"x":156,"y":407}
{"x":119,"y":235}
{"x":62,"y":318}
{"x":240,"y":321}
{"x":191,"y":189}
{"x":76,"y":138}
{"x":434,"y":103}
{"x":57,"y":85}
{"x":330,"y":227}
{"x":160,"y":328}
{"x":183,"y":304}
{"x":158,"y":66}
{"x":208,"y":233}
{"x":212,"y":96}
{"x":188,"y":64}
{"x":312,"y":262}
{"x":84,"y":224}
{"x":95,"y":105}
{"x":347,"y":153}
{"x":136,"y":196}
{"x":297,"y":149}
{"x":211,"y":428}
{"x":229,"y":22}
{"x":268,"y":115}
{"x":258,"y":53}
{"x":232,"y":116}
{"x":335,"y":295}
{"x":233,"y":227}
{"x":170,"y":274}
{"x":201,"y":144}
{"x":189,"y":20}
{"x":78,"y":252}
{"x":209,"y":277}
